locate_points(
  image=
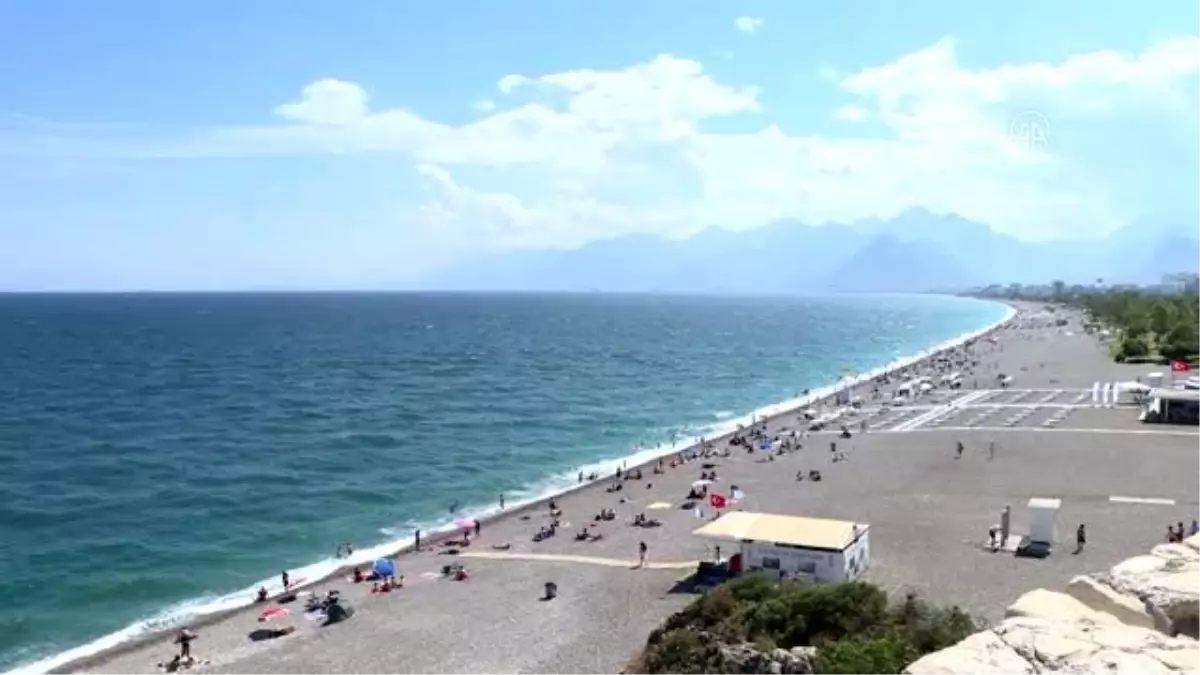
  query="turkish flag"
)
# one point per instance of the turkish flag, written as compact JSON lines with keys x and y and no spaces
{"x":717,"y":500}
{"x":1180,"y":366}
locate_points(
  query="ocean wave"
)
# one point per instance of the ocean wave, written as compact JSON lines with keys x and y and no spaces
{"x":208,"y":605}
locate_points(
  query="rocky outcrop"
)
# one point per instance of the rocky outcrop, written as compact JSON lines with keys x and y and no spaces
{"x":1141,"y":617}
{"x":746,"y":658}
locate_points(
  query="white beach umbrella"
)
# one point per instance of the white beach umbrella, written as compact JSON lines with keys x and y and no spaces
{"x":701,"y":483}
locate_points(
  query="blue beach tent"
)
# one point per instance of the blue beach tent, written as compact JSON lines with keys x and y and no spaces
{"x":384,"y":568}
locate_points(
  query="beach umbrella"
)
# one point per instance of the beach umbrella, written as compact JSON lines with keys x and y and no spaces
{"x":465,"y":523}
{"x":737,"y":495}
{"x":273,"y":613}
{"x":701,"y":483}
{"x":384,"y":568}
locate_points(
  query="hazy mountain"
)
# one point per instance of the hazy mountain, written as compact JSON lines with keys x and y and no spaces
{"x":888,"y":263}
{"x":915,"y":251}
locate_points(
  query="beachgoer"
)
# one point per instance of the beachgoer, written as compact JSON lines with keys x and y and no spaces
{"x":478,"y":527}
{"x":1182,"y":532}
{"x":993,"y":532}
{"x":1080,"y":538}
{"x":501,"y":501}
{"x":262,"y":594}
{"x":958,"y":450}
{"x":991,"y":449}
{"x":184,"y":640}
{"x":717,"y":553}
{"x":283,"y":577}
{"x":641,"y":554}
{"x":349,"y":549}
{"x":417,"y":539}
{"x":1195,"y":527}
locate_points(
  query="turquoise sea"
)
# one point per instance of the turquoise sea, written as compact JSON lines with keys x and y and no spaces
{"x":163,"y":455}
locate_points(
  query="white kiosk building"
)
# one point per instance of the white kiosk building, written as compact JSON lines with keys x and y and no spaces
{"x":792,"y":547}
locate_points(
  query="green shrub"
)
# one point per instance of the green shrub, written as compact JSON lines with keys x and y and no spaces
{"x":888,"y":653}
{"x":852,"y":625}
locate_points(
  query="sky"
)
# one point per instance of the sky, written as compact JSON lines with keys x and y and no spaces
{"x":225,"y":145}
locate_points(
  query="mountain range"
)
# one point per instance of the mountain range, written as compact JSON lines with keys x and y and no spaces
{"x":917,"y":251}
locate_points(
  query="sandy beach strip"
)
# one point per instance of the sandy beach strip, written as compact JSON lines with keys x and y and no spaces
{"x":494,"y":621}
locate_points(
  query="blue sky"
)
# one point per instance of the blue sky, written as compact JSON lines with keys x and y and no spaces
{"x":226,"y":145}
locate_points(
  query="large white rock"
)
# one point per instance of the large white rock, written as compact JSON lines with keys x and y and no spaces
{"x":1054,"y":606}
{"x":1101,"y":597}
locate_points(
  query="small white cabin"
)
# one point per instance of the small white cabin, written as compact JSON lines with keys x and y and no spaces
{"x":794,"y":547}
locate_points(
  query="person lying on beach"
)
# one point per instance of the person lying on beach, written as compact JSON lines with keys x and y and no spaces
{"x":606,"y":514}
{"x":455,"y":571}
{"x":640,"y":520}
{"x":178,"y":663}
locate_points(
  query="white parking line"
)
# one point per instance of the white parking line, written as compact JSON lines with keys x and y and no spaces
{"x":1142,"y":500}
{"x":1072,"y":430}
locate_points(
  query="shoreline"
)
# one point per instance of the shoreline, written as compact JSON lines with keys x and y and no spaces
{"x":99,"y":653}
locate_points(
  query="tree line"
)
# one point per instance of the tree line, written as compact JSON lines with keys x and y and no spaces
{"x":1147,"y":323}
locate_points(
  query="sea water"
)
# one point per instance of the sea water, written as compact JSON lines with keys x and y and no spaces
{"x":161,"y":456}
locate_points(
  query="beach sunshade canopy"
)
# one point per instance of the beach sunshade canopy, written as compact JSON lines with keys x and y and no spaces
{"x":384,"y":568}
{"x":465,"y":523}
{"x":1133,"y":386}
{"x":659,"y":506}
{"x":701,"y":483}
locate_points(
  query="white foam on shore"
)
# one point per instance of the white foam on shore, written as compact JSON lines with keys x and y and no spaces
{"x":199,"y":608}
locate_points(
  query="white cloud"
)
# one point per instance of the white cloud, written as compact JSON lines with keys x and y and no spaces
{"x":629,"y":150}
{"x":748,"y":24}
{"x":485,"y":106}
{"x":327,"y":102}
{"x":851,"y":113}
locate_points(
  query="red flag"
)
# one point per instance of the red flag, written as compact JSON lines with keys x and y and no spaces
{"x":717,"y":500}
{"x":1180,"y":366}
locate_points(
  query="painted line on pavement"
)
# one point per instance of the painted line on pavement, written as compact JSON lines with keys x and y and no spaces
{"x":1132,"y":432}
{"x":580,"y":559}
{"x":1142,"y":500}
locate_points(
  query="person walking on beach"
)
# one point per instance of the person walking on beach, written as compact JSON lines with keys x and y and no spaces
{"x":991,"y":449}
{"x":285,"y":580}
{"x":184,"y":640}
{"x":641,"y":554}
{"x":478,"y":527}
{"x":501,"y":501}
{"x":417,"y":539}
{"x":1080,"y":539}
{"x":958,"y":450}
